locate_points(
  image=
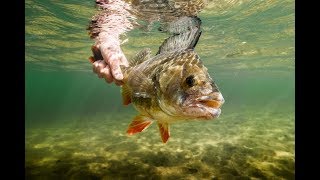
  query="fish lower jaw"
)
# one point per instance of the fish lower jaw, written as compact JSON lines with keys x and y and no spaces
{"x":199,"y":111}
{"x":214,"y":113}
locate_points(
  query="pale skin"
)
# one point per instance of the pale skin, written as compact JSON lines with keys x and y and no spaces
{"x":109,"y":67}
{"x":108,"y":42}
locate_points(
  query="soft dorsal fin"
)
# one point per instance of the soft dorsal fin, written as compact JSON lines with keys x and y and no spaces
{"x":187,"y":39}
{"x":141,"y":56}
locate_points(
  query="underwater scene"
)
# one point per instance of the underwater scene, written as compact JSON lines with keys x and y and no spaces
{"x":76,"y":124}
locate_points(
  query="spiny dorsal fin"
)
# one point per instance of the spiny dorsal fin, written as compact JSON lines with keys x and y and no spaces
{"x":140,"y":57}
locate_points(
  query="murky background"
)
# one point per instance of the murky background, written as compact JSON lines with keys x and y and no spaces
{"x":76,"y":124}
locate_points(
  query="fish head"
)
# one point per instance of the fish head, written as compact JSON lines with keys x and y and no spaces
{"x":188,"y":90}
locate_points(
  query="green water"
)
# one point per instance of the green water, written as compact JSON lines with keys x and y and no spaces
{"x":76,"y":124}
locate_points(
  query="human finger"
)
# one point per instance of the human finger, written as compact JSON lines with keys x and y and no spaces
{"x":107,"y":74}
{"x":95,"y":66}
{"x":124,"y":61}
{"x":98,"y":65}
{"x":114,"y":64}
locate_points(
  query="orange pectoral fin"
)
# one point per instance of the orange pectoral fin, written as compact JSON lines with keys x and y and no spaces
{"x":138,"y":124}
{"x":164,"y":131}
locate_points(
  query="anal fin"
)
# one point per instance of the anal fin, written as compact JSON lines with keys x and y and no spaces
{"x":164,"y":131}
{"x":138,"y":124}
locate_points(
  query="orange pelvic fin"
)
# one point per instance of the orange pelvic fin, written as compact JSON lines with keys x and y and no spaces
{"x":126,"y":95}
{"x":138,"y":124}
{"x":164,"y":131}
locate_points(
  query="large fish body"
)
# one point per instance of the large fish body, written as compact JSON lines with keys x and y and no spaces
{"x":173,"y":86}
{"x":170,"y":87}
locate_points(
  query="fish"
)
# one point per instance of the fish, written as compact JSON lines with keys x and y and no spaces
{"x":172,"y":86}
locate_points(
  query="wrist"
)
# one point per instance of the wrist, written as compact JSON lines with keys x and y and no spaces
{"x":107,"y":47}
{"x":108,"y":43}
{"x":109,"y":38}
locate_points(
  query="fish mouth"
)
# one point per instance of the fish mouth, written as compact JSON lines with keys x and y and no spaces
{"x":211,"y":104}
{"x":205,"y":107}
{"x":211,"y":101}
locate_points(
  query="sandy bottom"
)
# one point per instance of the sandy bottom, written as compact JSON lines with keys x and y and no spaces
{"x":246,"y":145}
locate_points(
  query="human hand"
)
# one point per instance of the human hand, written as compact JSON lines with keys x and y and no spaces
{"x":106,"y":62}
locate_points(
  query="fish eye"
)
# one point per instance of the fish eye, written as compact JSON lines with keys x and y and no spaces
{"x":190,"y":80}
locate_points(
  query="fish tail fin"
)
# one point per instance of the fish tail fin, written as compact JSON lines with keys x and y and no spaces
{"x":164,"y":131}
{"x":139,"y":124}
